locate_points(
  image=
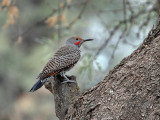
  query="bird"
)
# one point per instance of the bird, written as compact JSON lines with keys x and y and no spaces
{"x":62,"y":61}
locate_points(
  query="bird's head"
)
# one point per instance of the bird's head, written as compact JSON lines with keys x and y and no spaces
{"x":77,"y":41}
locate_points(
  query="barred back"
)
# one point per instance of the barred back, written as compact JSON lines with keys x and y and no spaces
{"x":63,"y":59}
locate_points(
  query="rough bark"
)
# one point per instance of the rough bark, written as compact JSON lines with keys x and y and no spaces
{"x":131,"y":91}
{"x":64,"y":94}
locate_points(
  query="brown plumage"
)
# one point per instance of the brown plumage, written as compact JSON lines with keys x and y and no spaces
{"x":63,"y":60}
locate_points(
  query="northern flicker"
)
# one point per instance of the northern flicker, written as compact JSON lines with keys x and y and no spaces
{"x":63,"y":60}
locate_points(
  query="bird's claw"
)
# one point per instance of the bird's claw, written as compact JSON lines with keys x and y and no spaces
{"x":69,"y":81}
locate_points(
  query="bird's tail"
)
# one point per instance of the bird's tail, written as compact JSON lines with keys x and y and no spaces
{"x":37,"y":85}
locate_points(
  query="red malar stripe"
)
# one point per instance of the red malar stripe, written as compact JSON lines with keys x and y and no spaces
{"x":77,"y":43}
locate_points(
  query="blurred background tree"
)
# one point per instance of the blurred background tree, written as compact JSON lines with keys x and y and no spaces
{"x":32,"y":30}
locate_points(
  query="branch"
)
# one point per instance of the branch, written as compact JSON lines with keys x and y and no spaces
{"x":79,"y":16}
{"x":118,"y":26}
{"x":64,"y":94}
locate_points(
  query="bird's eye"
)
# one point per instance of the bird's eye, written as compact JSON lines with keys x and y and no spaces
{"x":76,"y":38}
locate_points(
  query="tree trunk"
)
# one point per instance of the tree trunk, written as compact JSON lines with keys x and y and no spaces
{"x":131,"y":91}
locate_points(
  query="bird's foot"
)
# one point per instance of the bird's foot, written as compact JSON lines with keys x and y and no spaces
{"x":69,"y":81}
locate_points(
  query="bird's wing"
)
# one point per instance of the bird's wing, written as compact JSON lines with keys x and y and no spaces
{"x":63,"y":58}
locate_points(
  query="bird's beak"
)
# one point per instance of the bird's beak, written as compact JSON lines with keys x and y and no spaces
{"x":84,"y":40}
{"x":87,"y":40}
